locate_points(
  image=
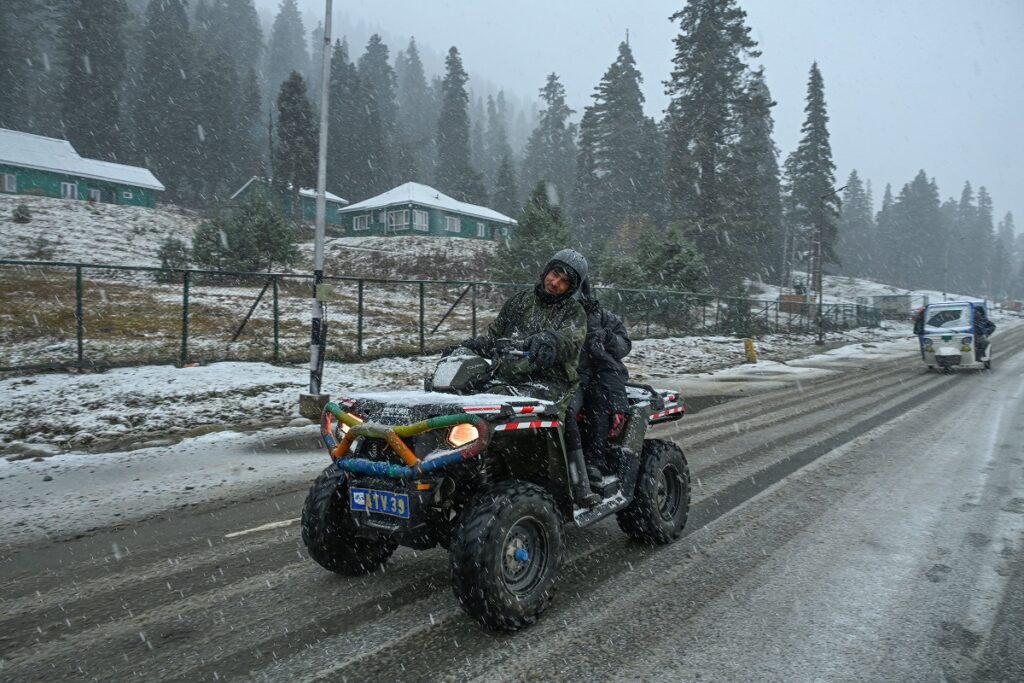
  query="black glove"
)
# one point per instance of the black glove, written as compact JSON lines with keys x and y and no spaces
{"x":542,"y":347}
{"x":595,"y":341}
{"x":480,"y":345}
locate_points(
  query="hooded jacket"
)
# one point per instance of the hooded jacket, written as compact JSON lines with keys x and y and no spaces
{"x":531,"y":312}
{"x":603,"y":375}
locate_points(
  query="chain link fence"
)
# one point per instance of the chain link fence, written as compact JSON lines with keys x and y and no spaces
{"x":56,"y":315}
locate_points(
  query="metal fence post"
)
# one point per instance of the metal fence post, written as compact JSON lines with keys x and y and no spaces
{"x":184,"y":319}
{"x":359,"y":321}
{"x":472,"y":306}
{"x":79,"y":314}
{"x":422,"y":315}
{"x":277,"y":325}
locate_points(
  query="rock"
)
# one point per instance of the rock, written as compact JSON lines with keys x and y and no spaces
{"x":300,"y":422}
{"x":47,"y":478}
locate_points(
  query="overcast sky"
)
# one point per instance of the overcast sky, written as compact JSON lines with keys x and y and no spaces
{"x":909,"y":84}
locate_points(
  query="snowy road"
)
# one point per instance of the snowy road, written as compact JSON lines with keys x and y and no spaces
{"x":867,"y":527}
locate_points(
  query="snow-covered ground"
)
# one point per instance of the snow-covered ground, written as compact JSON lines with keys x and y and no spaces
{"x":131,"y":408}
{"x":128,"y":443}
{"x":80,"y":232}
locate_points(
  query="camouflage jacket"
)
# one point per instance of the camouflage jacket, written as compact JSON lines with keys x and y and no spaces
{"x":524,"y":315}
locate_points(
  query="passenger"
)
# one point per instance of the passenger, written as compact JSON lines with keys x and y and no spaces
{"x":552,"y":325}
{"x":983,"y":329}
{"x":603,"y":377}
{"x":917,"y":317}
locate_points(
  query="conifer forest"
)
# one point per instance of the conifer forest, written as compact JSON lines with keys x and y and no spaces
{"x":209,"y":93}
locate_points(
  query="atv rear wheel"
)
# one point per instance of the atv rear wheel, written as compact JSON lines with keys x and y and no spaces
{"x":505,"y":554}
{"x":328,"y":532}
{"x":661,"y":503}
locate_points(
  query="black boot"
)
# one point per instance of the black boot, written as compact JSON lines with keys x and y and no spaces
{"x":581,"y":492}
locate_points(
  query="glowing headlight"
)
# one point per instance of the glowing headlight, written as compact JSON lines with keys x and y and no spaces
{"x":460,"y":435}
{"x":343,"y":428}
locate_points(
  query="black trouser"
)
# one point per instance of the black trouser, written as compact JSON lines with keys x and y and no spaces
{"x":597,"y":420}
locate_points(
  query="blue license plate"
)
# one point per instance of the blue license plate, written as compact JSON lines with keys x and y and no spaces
{"x":384,"y":502}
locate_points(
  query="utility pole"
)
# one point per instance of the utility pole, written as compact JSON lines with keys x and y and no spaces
{"x":311,"y":404}
{"x":818,"y":267}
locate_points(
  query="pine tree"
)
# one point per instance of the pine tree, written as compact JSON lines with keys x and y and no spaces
{"x":417,"y":113}
{"x":1005,"y":259}
{"x":234,"y":26}
{"x":916,"y":217}
{"x":856,"y":245}
{"x":812,"y":205}
{"x":706,"y":84}
{"x":540,"y":231}
{"x":477,"y":151}
{"x":223,"y":138}
{"x":295,"y":146}
{"x":496,"y":146}
{"x":751,"y":179}
{"x":286,"y":50}
{"x":252,"y":237}
{"x":668,"y":260}
{"x":348,"y":120}
{"x":885,"y":230}
{"x":506,"y":189}
{"x":92,"y":57}
{"x":455,"y":176}
{"x":617,"y":172}
{"x":551,"y":151}
{"x":29,"y":80}
{"x":378,"y":81}
{"x":165,"y":126}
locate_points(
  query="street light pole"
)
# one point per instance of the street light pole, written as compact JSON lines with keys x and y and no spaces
{"x":318,"y":331}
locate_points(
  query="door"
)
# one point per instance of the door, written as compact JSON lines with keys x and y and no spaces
{"x":95,"y":195}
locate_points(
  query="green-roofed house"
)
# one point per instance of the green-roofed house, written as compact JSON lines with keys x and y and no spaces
{"x":48,"y":167}
{"x":416,"y":209}
{"x":307,"y":197}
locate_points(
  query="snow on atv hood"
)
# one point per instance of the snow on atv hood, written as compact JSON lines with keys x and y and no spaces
{"x":403,"y":407}
{"x":425,"y":398}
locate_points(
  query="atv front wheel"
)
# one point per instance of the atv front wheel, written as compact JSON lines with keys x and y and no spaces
{"x":661,"y":503}
{"x":328,"y":532}
{"x":505,"y":554}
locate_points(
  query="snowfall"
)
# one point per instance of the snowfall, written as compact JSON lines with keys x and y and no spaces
{"x":128,"y":443}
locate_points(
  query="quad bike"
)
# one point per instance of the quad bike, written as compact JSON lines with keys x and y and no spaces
{"x":481,"y":471}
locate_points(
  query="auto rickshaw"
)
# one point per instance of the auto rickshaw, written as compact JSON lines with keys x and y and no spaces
{"x":950,"y":339}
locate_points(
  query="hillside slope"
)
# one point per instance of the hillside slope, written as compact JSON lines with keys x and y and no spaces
{"x":76,"y":231}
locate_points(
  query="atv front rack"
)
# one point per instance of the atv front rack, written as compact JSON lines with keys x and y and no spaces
{"x":414,"y":468}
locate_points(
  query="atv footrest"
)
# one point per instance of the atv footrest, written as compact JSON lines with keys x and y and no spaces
{"x":587,"y":516}
{"x":608,"y":487}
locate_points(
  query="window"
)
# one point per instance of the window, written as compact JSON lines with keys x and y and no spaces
{"x":127,"y":194}
{"x":481,"y":230}
{"x":95,"y":195}
{"x":420,"y":220}
{"x":10,"y":182}
{"x":69,"y":190}
{"x":361,"y":222}
{"x":398,"y":220}
{"x":452,"y":224}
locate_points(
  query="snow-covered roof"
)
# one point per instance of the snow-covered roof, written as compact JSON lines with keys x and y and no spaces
{"x":58,"y":156}
{"x":424,"y":195}
{"x":304,"y":192}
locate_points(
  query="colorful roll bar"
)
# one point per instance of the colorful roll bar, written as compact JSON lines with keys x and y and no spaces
{"x":393,"y":434}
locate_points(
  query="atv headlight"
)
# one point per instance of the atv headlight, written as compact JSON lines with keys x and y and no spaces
{"x":460,"y":435}
{"x":967,"y":341}
{"x":343,"y":428}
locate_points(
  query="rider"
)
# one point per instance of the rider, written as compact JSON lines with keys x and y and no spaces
{"x":552,"y":326}
{"x":983,"y":329}
{"x":603,"y":377}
